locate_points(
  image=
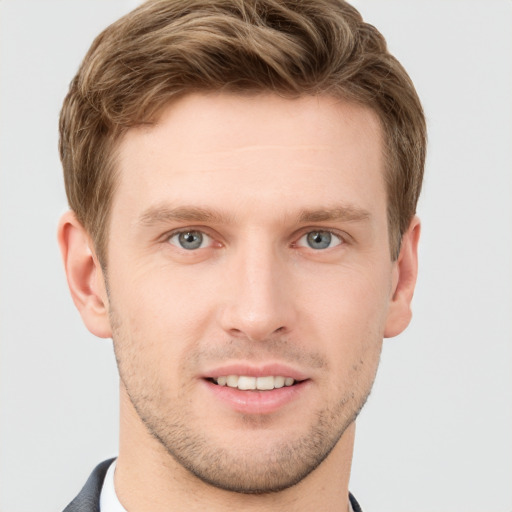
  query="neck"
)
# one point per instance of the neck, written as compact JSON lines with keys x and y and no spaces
{"x":148,"y":478}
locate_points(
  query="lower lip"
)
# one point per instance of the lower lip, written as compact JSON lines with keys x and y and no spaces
{"x":255,"y":401}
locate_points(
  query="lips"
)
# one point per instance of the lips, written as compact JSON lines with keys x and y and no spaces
{"x":256,"y":390}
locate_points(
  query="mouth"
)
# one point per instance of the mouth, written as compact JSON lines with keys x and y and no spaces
{"x":256,"y":389}
{"x":250,"y":383}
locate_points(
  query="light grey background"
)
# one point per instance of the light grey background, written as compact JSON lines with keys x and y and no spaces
{"x":436,"y":434}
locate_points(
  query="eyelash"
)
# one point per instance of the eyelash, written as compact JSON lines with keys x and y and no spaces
{"x":209,"y":239}
{"x":332,"y":235}
{"x":177,"y":234}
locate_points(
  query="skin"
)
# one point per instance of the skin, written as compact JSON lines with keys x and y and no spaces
{"x":254,"y":175}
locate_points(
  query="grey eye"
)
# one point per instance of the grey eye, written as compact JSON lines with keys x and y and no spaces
{"x":189,"y":240}
{"x":319,"y":240}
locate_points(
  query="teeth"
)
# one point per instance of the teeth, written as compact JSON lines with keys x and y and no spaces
{"x":265,"y":383}
{"x":279,"y":382}
{"x":244,"y":382}
{"x":232,"y":381}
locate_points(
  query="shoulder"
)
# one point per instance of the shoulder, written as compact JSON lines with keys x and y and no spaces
{"x":354,"y":504}
{"x":88,"y":500}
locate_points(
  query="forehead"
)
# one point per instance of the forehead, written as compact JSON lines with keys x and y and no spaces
{"x":230,"y":151}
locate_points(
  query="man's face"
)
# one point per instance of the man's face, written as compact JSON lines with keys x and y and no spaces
{"x":249,"y":244}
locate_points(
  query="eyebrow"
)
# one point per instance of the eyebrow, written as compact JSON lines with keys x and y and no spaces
{"x":164,"y":214}
{"x":347,"y":213}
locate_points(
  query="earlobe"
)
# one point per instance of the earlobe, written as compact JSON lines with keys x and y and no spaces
{"x":84,"y":275}
{"x":404,"y":281}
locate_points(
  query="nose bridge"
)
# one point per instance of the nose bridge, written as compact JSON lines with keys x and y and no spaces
{"x":259,"y":302}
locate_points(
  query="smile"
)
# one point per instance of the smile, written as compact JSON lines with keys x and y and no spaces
{"x":244,"y":382}
{"x":247,"y":389}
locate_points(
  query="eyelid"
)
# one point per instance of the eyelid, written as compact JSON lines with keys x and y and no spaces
{"x":214,"y":240}
{"x":341,"y":236}
{"x":206,"y":242}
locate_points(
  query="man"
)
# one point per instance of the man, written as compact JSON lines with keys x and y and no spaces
{"x":243,"y":178}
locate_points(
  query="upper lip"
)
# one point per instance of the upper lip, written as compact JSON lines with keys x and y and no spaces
{"x":252,"y":370}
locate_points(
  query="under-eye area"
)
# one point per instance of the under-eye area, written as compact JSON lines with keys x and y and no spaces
{"x":244,"y":382}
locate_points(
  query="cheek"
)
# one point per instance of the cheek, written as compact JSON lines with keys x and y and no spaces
{"x":159,"y":319}
{"x":163,"y":300}
{"x":350,"y":301}
{"x":349,"y":317}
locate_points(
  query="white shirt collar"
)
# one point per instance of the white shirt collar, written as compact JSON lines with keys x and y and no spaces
{"x":109,"y":501}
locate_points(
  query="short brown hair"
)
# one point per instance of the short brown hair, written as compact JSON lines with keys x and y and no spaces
{"x":167,"y":48}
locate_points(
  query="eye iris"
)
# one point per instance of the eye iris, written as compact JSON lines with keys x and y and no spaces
{"x":319,"y":239}
{"x":190,"y":240}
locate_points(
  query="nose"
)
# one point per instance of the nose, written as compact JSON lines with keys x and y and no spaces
{"x":259,"y":301}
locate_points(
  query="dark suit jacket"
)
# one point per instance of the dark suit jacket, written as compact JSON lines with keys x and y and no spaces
{"x":89,"y":498}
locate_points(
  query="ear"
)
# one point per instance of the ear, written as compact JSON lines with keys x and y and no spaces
{"x":404,"y":280}
{"x":85,"y":275}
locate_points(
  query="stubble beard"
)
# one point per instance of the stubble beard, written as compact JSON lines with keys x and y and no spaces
{"x":280,"y":465}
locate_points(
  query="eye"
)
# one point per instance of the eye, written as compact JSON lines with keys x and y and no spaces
{"x":190,"y":240}
{"x":318,"y":240}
